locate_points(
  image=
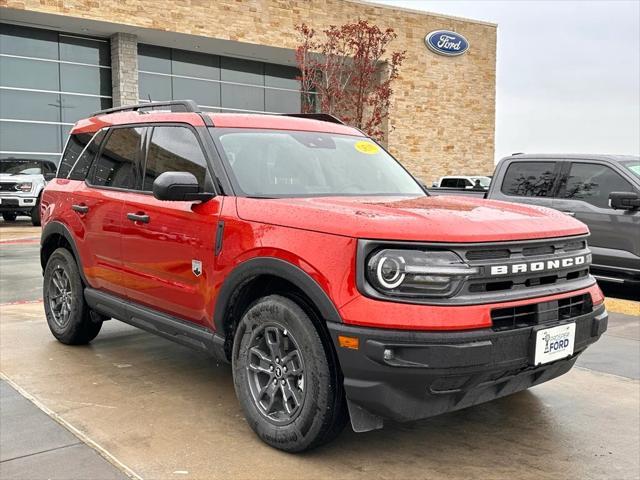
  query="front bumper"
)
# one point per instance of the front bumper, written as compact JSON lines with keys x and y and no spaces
{"x":428,"y":373}
{"x":15,"y":203}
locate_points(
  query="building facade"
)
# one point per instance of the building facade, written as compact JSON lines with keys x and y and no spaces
{"x":61,"y":60}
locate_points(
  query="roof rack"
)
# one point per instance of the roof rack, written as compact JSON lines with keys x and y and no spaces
{"x":323,"y":117}
{"x":186,"y":106}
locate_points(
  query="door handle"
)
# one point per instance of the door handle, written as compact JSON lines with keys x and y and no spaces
{"x":138,"y":217}
{"x":82,"y":208}
{"x":571,"y":214}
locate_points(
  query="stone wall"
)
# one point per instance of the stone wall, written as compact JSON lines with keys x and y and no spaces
{"x":443,"y":112}
{"x":124,"y":68}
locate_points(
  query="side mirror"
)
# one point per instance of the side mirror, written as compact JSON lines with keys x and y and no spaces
{"x":49,"y":176}
{"x":178,"y":186}
{"x":624,"y":200}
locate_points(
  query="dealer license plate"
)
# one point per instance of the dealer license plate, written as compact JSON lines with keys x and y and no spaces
{"x":554,"y":343}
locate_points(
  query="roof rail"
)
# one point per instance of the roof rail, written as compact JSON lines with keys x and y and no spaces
{"x":186,"y":106}
{"x":323,"y":117}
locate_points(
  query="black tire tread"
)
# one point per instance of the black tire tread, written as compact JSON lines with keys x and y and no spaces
{"x":82,"y":328}
{"x":332,"y":418}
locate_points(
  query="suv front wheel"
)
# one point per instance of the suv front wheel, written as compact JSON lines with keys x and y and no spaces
{"x":287,"y":383}
{"x":35,"y":214}
{"x":68,"y":315}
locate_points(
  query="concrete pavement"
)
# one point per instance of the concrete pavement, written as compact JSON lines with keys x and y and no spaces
{"x":33,"y":445}
{"x":162,"y":411}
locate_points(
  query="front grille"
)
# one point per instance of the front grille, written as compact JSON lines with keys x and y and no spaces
{"x":540,"y":313}
{"x":484,"y":257}
{"x":8,"y":187}
{"x":487,"y":254}
{"x":10,"y":202}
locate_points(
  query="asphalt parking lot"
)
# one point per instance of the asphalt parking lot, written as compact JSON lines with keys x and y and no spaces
{"x":134,"y":405}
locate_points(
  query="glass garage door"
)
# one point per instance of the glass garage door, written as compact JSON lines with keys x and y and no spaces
{"x":217,"y":83}
{"x":48,"y":81}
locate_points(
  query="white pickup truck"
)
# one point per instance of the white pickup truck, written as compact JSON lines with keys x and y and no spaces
{"x":21,"y":183}
{"x":463,"y":182}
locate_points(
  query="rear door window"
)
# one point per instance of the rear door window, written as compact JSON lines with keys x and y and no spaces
{"x":530,"y":179}
{"x":118,"y":165}
{"x":592,"y":183}
{"x":173,"y":149}
{"x":449,"y":183}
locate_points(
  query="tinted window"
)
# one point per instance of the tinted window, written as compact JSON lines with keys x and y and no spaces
{"x":82,"y":166}
{"x":23,"y":166}
{"x":449,"y":183}
{"x":529,"y":179}
{"x":593,"y":183}
{"x":74,"y":148}
{"x":633,"y":166}
{"x":117,"y":165}
{"x":173,"y":149}
{"x":93,"y":51}
{"x":30,"y":137}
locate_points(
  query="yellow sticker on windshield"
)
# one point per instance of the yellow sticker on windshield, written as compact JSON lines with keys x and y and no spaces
{"x":369,"y":148}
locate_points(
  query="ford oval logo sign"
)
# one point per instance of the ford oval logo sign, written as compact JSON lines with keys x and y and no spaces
{"x":444,"y":42}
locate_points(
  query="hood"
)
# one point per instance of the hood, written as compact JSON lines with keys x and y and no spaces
{"x":7,"y":177}
{"x":434,"y":218}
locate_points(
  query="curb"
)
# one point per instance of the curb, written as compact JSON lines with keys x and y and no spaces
{"x":83,"y":437}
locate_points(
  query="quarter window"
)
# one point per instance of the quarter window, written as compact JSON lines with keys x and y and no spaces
{"x":118,"y":164}
{"x":529,"y":179}
{"x":173,"y":149}
{"x":592,"y":183}
{"x":82,"y":166}
{"x":77,"y":157}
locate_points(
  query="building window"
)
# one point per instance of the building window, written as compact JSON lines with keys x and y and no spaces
{"x":48,"y":81}
{"x":216,"y":83}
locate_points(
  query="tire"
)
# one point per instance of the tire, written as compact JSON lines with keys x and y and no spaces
{"x":68,"y":315}
{"x":315,"y":410}
{"x":35,"y":214}
{"x":9,"y":216}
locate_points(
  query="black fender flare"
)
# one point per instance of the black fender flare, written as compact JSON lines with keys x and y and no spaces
{"x":58,"y":228}
{"x":278,"y":268}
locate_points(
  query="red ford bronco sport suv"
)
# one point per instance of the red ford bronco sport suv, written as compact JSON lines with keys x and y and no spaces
{"x":301,"y":252}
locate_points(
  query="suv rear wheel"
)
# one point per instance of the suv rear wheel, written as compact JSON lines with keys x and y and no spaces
{"x":287,"y":383}
{"x":9,"y":216}
{"x":68,"y":315}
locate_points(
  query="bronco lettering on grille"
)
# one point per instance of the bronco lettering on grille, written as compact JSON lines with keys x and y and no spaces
{"x":538,"y":266}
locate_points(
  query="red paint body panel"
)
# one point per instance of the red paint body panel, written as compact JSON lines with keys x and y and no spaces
{"x":368,"y":312}
{"x":434,"y":219}
{"x":279,"y":122}
{"x":151,"y":263}
{"x":157,"y":256}
{"x":93,"y":124}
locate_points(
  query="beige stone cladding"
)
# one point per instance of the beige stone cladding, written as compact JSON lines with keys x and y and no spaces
{"x":442,"y":118}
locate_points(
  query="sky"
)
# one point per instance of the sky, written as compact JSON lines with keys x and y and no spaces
{"x":568,"y":72}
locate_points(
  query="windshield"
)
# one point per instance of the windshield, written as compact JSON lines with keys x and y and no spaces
{"x":25,"y":167}
{"x":279,"y":163}
{"x":484,"y":181}
{"x":633,"y":166}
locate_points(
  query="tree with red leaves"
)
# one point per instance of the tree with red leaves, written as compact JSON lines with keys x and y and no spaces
{"x":348,"y":74}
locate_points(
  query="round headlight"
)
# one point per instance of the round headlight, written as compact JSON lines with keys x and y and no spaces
{"x":405,"y":272}
{"x":390,"y":271}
